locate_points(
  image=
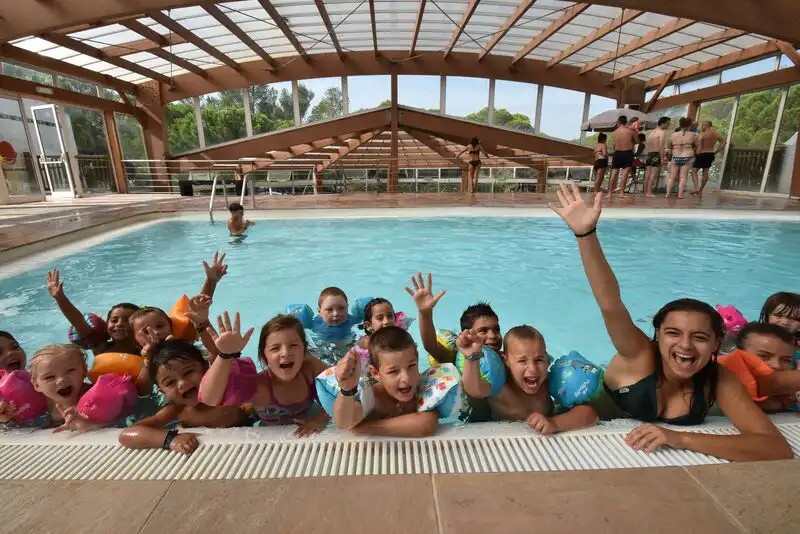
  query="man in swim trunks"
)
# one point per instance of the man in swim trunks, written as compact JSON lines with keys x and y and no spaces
{"x":655,"y":158}
{"x":707,"y":140}
{"x":624,"y":139}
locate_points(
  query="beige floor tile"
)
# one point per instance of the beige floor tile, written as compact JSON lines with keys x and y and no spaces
{"x":77,"y":507}
{"x":664,"y":500}
{"x":762,"y":496}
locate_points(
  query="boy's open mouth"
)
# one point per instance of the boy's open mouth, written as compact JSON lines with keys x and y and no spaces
{"x":286,"y":365}
{"x":65,"y":391}
{"x":405,"y":390}
{"x":531,"y":382}
{"x":190,"y":393}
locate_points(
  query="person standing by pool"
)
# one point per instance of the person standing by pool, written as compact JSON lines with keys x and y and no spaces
{"x":474,"y":147}
{"x":682,"y":146}
{"x":600,"y":161}
{"x":655,"y":155}
{"x":673,"y":378}
{"x":707,"y":149}
{"x":624,"y":138}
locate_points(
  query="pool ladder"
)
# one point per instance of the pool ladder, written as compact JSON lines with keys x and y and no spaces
{"x":225,"y":193}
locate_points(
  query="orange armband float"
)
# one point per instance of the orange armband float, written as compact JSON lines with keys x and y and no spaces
{"x":182,"y":327}
{"x":748,"y":368}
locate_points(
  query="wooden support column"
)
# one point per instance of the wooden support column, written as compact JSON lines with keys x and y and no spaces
{"x":541,"y":183}
{"x":154,"y":128}
{"x":116,"y":151}
{"x":694,"y":107}
{"x":393,"y":178}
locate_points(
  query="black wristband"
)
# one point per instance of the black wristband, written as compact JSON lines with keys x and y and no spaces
{"x":168,"y":438}
{"x":229,"y":356}
{"x":349,"y":392}
{"x":587,"y":234}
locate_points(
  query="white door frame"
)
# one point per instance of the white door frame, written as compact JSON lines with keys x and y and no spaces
{"x":64,"y":156}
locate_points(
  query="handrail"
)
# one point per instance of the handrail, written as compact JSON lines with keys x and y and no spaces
{"x":211,"y":202}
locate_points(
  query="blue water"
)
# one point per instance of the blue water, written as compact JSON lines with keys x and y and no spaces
{"x":528,"y":269}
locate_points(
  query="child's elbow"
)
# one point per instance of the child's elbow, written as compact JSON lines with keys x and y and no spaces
{"x":129,"y":437}
{"x":781,"y":450}
{"x":428,"y":426}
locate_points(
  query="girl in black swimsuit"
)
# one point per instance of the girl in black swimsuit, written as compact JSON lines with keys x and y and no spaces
{"x":475,"y":149}
{"x":674,"y":377}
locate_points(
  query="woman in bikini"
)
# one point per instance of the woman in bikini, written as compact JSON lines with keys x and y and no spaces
{"x":682,"y":147}
{"x":600,"y":161}
{"x":475,"y":149}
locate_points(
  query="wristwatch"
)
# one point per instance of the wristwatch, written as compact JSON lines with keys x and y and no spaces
{"x":473,"y":357}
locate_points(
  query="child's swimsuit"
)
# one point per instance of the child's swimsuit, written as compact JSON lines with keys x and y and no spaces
{"x":283,"y":414}
{"x":640,"y":401}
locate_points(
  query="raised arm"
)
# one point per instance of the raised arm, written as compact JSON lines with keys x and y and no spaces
{"x":56,"y":289}
{"x":413,"y":425}
{"x":778,"y":383}
{"x":629,"y":341}
{"x":426,"y":302}
{"x":470,"y":346}
{"x":229,"y":343}
{"x":347,"y":410}
{"x":199,"y":306}
{"x":214,"y":274}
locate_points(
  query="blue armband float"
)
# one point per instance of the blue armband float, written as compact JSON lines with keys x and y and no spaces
{"x":328,"y":389}
{"x":493,"y":369}
{"x":440,"y":389}
{"x":302,"y":312}
{"x":574,"y":380}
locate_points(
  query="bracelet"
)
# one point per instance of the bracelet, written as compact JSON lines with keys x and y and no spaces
{"x":168,"y":438}
{"x":473,"y":357}
{"x":587,"y":234}
{"x":229,"y":356}
{"x":349,"y":392}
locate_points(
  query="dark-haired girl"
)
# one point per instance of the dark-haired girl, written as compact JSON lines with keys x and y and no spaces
{"x":674,"y":377}
{"x":474,"y":148}
{"x":783,"y":309}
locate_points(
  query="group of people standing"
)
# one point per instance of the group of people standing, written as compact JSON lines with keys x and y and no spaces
{"x":685,"y":149}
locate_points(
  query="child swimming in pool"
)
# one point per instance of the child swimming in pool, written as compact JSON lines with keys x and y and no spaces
{"x":177,"y":367}
{"x":526,"y":394}
{"x":12,"y":357}
{"x":284,"y":392}
{"x":237,"y":224}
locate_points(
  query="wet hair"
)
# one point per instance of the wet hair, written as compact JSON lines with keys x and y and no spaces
{"x":710,"y":124}
{"x":276,"y":324}
{"x":523,"y":333}
{"x":642,"y":137}
{"x":782,"y":304}
{"x":763,"y":329}
{"x":235,"y":206}
{"x":56,"y":349}
{"x":123,"y":306}
{"x":663,"y":120}
{"x":685,"y":122}
{"x":368,"y":312}
{"x":623,"y":119}
{"x":8,"y":336}
{"x":708,"y":375}
{"x":330,"y":292}
{"x":141,"y":312}
{"x":173,"y":350}
{"x":389,"y":339}
{"x":471,"y":314}
{"x":475,"y":141}
{"x":601,"y":138}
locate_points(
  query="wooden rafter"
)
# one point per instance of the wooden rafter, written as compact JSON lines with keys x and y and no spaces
{"x":790,"y":51}
{"x":513,"y":19}
{"x":625,"y":17}
{"x":326,"y":19}
{"x":668,"y":78}
{"x":179,"y":29}
{"x":372,"y":23}
{"x":152,"y":35}
{"x":140,"y":45}
{"x":83,"y":48}
{"x":468,"y":12}
{"x":566,"y":17}
{"x":748,"y":54}
{"x":643,"y":41}
{"x":283,"y":26}
{"x":350,"y":146}
{"x":420,"y":14}
{"x":702,"y":44}
{"x":234,"y":28}
{"x":439,"y":148}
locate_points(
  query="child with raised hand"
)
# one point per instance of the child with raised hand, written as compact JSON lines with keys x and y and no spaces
{"x":284,"y":393}
{"x":150,"y":326}
{"x":177,"y":368}
{"x":522,"y":391}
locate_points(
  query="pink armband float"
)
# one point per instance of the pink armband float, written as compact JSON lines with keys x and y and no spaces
{"x":242,"y":383}
{"x":112,"y":397}
{"x":16,"y":387}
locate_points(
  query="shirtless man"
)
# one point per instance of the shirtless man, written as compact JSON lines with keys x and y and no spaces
{"x":624,"y":139}
{"x":706,"y":150}
{"x":655,"y":155}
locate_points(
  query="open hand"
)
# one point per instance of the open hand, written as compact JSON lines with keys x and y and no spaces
{"x":229,"y":339}
{"x":348,"y":371}
{"x":578,"y":216}
{"x":468,"y":343}
{"x":185,"y":442}
{"x":152,"y":340}
{"x":217,"y":269}
{"x":7,"y":411}
{"x":54,"y":286}
{"x":311,"y":426}
{"x":650,"y":438}
{"x":74,"y":422}
{"x":198,"y":309}
{"x":541,"y":424}
{"x":422,"y":294}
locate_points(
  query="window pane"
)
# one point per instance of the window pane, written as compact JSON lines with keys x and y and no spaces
{"x":182,"y":126}
{"x":468,"y":98}
{"x":562,"y":113}
{"x":131,"y":141}
{"x":95,"y":170}
{"x":708,"y":81}
{"x":271,"y":107}
{"x":321,"y":98}
{"x":780,"y":172}
{"x":110,"y":94}
{"x":786,"y":62}
{"x":24,"y":73}
{"x":751,"y":69}
{"x":752,"y":135}
{"x":78,"y":86}
{"x":17,"y":159}
{"x":719,"y":113}
{"x":367,"y":92}
{"x":597,"y":105}
{"x":223,"y":116}
{"x":514,"y":105}
{"x":675,"y":113}
{"x":420,"y":92}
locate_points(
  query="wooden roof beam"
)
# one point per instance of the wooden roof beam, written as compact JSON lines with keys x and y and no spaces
{"x":654,"y":99}
{"x":439,"y":148}
{"x":152,"y":35}
{"x":179,"y":29}
{"x":645,"y":40}
{"x":141,"y":45}
{"x":234,"y":28}
{"x":623,"y":18}
{"x":372,"y":23}
{"x":702,"y":44}
{"x":352,"y":145}
{"x":420,"y":14}
{"x":513,"y":19}
{"x":326,"y":19}
{"x":468,"y":12}
{"x":283,"y":26}
{"x":565,"y":18}
{"x":790,"y":51}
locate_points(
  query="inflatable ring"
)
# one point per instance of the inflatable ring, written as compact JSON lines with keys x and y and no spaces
{"x":116,"y":363}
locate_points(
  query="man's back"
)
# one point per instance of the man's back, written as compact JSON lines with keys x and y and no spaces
{"x":624,"y":138}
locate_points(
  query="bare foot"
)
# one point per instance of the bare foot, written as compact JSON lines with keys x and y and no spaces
{"x":695,"y":192}
{"x":623,"y":195}
{"x":649,"y":195}
{"x":681,"y":197}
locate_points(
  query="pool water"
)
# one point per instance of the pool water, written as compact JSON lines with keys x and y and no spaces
{"x":527,"y":268}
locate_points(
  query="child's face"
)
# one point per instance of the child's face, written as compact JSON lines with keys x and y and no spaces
{"x":179,"y":380}
{"x":382,"y":315}
{"x":488,"y":329}
{"x":60,"y":378}
{"x":118,"y":324}
{"x":156,"y":323}
{"x":792,"y":325}
{"x":398,"y":373}
{"x":237,"y":215}
{"x":12,"y":357}
{"x":686,"y":342}
{"x":777,"y":354}
{"x":527,"y":362}
{"x":333,"y":310}
{"x":285,"y":353}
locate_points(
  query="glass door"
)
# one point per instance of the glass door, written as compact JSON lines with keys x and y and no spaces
{"x":54,"y":158}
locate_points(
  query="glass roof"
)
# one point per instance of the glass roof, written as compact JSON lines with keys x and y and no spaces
{"x":395,"y":22}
